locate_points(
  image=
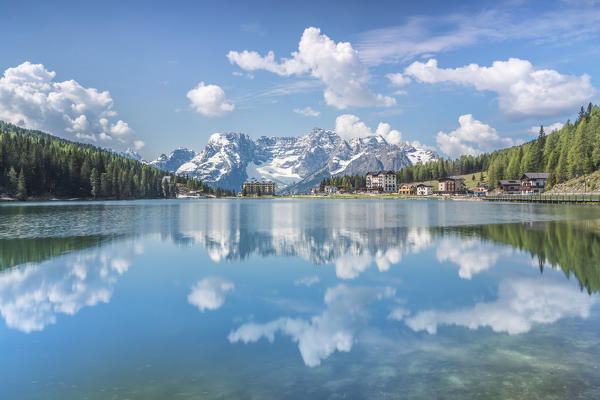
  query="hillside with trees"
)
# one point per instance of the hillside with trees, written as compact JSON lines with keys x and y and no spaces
{"x":572,"y":151}
{"x":37,"y":165}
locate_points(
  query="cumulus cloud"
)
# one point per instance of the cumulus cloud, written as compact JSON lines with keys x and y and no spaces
{"x":336,"y":65}
{"x":30,"y":97}
{"x":523,"y":91}
{"x":398,"y":79}
{"x":307,"y":112}
{"x":471,"y":137}
{"x":210,"y":100}
{"x":32,"y":295}
{"x":521,"y":303}
{"x":557,"y":126}
{"x":349,"y":126}
{"x":210,"y":293}
{"x":333,"y":330}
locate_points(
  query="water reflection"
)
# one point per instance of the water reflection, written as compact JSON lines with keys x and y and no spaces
{"x":521,"y":303}
{"x":44,"y":275}
{"x":210,"y":293}
{"x":332,"y":329}
{"x":32,"y":295}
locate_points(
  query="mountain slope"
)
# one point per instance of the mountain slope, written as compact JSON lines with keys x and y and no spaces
{"x":293,"y":163}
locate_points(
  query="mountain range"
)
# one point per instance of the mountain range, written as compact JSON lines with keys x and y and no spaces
{"x":295,"y":164}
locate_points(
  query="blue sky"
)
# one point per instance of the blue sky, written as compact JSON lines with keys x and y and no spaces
{"x":461,"y":78}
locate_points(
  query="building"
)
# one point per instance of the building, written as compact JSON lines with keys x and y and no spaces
{"x":510,"y":186}
{"x":329,"y":189}
{"x":256,"y":188}
{"x":424,"y":189}
{"x":534,"y":182}
{"x":451,"y":184}
{"x":382,"y":181}
{"x":406,"y":189}
{"x":481,"y":191}
{"x":315,"y":191}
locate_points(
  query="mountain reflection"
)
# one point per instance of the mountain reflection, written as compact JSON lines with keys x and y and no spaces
{"x":354,"y":243}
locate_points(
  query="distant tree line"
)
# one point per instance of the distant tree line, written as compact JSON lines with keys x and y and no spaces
{"x":572,"y":151}
{"x":39,"y":165}
{"x":348,"y":182}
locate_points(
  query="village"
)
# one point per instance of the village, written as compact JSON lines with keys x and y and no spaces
{"x":385,"y":183}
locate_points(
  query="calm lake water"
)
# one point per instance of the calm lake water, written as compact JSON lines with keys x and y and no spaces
{"x":299,"y":299}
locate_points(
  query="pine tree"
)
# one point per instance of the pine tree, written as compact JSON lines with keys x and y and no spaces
{"x":95,"y":183}
{"x":21,"y":186}
{"x":12,"y":180}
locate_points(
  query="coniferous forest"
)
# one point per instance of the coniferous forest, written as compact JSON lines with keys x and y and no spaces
{"x":572,"y":151}
{"x":34,"y":164}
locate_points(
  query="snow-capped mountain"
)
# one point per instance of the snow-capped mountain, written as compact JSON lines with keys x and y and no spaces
{"x":174,"y":160}
{"x":295,"y":164}
{"x":130,"y":153}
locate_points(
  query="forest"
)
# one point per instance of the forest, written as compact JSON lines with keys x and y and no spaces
{"x":37,"y":165}
{"x":572,"y":151}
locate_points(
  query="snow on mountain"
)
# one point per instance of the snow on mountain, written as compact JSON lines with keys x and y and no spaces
{"x":130,"y":153}
{"x":174,"y":160}
{"x":295,"y":164}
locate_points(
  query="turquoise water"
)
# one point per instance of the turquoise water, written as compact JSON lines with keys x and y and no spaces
{"x":299,"y":299}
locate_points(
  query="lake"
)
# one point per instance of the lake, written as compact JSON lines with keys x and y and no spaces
{"x":376,"y":299}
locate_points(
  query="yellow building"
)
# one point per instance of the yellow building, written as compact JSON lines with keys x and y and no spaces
{"x":406,"y":189}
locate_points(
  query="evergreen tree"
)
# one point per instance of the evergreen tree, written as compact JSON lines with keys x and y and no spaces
{"x":21,"y":186}
{"x":95,"y":183}
{"x":12,"y":179}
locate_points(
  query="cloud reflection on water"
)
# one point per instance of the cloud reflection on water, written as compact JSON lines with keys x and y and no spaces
{"x":335,"y":328}
{"x":32,"y":295}
{"x":210,"y":293}
{"x":521,"y":303}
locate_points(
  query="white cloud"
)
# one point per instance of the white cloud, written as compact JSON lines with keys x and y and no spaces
{"x":336,"y":65}
{"x":471,"y":137}
{"x":210,"y":293}
{"x":307,"y":112}
{"x":547,"y":129}
{"x":349,"y":126}
{"x":30,"y":97}
{"x":307,"y":281}
{"x":398,"y":79}
{"x":522,"y":90}
{"x":120,"y":129}
{"x":333,"y":330}
{"x":521,"y":303}
{"x":138,"y":144}
{"x":210,"y":100}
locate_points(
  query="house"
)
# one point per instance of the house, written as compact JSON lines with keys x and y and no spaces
{"x":481,"y":191}
{"x":329,"y":189}
{"x":533,"y":182}
{"x":451,"y":184}
{"x":406,"y":189}
{"x":315,"y":191}
{"x":382,"y":181}
{"x":510,"y":186}
{"x":256,"y":188}
{"x":424,"y":189}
